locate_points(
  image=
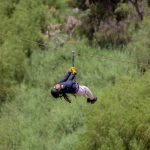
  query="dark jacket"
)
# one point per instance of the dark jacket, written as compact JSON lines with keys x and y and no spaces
{"x":69,"y":85}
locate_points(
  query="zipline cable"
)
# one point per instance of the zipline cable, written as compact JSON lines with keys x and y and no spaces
{"x":88,"y":56}
{"x":119,"y":61}
{"x":92,"y":55}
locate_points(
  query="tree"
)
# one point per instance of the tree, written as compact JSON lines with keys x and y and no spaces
{"x":110,"y":21}
{"x":138,"y":7}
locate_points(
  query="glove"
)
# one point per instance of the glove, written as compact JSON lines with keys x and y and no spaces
{"x":72,"y":70}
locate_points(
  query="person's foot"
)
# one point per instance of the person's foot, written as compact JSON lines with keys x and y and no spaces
{"x":88,"y":100}
{"x":92,"y":101}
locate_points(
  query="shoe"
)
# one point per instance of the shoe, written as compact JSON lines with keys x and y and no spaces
{"x":88,"y":100}
{"x":92,"y":101}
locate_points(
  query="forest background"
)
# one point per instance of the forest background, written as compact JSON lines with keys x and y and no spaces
{"x":111,"y":39}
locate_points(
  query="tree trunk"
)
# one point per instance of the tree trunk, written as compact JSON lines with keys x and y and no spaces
{"x":137,"y":7}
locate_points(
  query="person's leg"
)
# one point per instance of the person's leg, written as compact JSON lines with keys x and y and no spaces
{"x":85,"y":91}
{"x":88,"y":92}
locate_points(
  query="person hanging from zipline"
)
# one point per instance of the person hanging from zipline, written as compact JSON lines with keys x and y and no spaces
{"x":69,"y":86}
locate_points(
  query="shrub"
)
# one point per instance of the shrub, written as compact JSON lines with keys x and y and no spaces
{"x":113,"y":32}
{"x":113,"y":26}
{"x":139,"y":48}
{"x":121,"y":119}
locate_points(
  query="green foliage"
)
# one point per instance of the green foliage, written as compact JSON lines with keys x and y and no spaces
{"x":31,"y":63}
{"x":20,"y":27}
{"x":7,"y":92}
{"x":122,"y":11}
{"x":121,"y":119}
{"x":80,"y":4}
{"x":35,"y":121}
{"x":113,"y":26}
{"x":113,"y":33}
{"x":140,"y":46}
{"x":11,"y":59}
{"x":56,"y":3}
{"x":8,"y":7}
{"x":11,"y":68}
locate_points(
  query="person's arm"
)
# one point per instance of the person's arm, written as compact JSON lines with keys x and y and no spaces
{"x":65,"y":77}
{"x":72,"y":76}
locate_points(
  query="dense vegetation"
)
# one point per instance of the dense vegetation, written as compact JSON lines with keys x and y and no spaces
{"x":112,"y":54}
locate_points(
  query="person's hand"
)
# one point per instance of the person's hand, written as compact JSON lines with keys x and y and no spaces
{"x":72,"y":70}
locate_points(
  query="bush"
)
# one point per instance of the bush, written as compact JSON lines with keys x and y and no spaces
{"x":113,"y":26}
{"x":7,"y":92}
{"x":139,"y":48}
{"x":121,"y":119}
{"x":12,"y":60}
{"x":114,"y":33}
